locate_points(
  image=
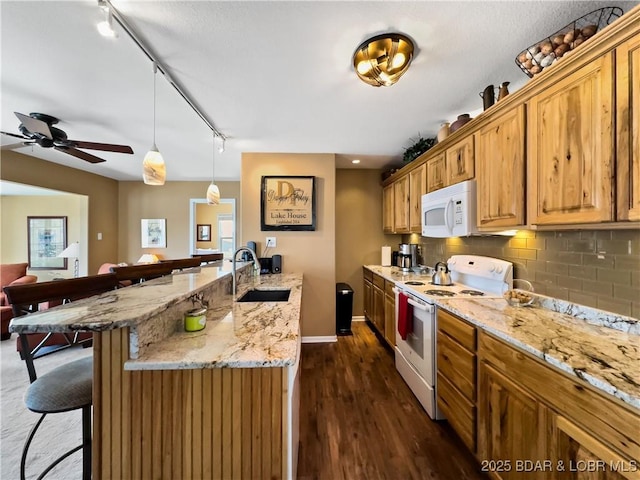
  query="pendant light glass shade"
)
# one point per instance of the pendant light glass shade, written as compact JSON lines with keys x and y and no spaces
{"x":213,"y":192}
{"x":154,"y":171}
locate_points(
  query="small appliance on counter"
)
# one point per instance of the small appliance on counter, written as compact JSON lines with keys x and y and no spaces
{"x":408,"y":256}
{"x":270,"y":264}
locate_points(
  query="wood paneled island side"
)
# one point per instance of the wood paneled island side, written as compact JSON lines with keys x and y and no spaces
{"x":218,"y":403}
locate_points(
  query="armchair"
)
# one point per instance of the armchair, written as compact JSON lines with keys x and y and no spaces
{"x":11,"y":274}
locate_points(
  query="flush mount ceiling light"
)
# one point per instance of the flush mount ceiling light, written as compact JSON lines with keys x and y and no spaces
{"x":383,"y":59}
{"x":154,"y":171}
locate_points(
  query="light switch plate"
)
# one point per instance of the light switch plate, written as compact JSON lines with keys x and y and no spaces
{"x":271,"y":242}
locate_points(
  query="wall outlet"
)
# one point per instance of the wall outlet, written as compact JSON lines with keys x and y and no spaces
{"x":271,"y":242}
{"x":99,"y":235}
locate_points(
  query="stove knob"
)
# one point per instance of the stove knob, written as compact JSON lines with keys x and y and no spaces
{"x":492,"y":268}
{"x":499,"y":269}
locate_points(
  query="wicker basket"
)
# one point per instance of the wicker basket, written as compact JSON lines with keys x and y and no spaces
{"x":551,"y":49}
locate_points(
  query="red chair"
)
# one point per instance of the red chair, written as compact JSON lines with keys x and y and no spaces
{"x":11,"y":274}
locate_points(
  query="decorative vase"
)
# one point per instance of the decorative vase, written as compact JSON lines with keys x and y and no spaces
{"x":443,"y":132}
{"x":504,"y":90}
{"x":462,"y":119}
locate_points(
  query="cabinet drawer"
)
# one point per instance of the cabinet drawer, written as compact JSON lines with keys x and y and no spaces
{"x":388,"y":288}
{"x":457,"y":364}
{"x":458,"y":329}
{"x":378,"y":281}
{"x":460,"y":412}
{"x":367,"y":274}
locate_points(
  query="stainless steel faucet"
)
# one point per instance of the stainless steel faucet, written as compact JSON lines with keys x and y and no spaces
{"x":255,"y":261}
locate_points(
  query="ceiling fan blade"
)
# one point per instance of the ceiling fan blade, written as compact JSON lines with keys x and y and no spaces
{"x":80,"y":154}
{"x":12,"y":146}
{"x":34,"y":125}
{"x":107,"y":147}
{"x":14,"y":135}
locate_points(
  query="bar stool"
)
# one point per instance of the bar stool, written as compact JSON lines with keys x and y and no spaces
{"x":69,"y":386}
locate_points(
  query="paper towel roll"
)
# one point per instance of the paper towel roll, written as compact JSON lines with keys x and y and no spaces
{"x":386,"y":256}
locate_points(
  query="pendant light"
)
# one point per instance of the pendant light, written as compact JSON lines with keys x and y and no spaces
{"x":154,"y":171}
{"x":213,"y":193}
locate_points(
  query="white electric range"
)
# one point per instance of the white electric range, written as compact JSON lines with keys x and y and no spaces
{"x":472,"y":277}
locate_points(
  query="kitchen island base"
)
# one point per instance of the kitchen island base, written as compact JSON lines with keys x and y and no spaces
{"x":192,"y":423}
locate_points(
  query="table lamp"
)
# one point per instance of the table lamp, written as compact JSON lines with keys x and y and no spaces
{"x":148,"y":258}
{"x":72,"y":251}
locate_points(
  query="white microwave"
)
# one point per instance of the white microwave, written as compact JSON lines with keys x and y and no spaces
{"x":450,"y":211}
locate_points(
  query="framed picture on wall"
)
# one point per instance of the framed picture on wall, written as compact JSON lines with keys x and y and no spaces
{"x":288,"y":203}
{"x":154,"y":232}
{"x":204,"y":232}
{"x":46,"y":237}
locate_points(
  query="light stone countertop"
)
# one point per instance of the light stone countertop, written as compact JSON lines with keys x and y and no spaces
{"x":236,"y":335}
{"x":124,"y":307}
{"x":599,"y":347}
{"x":240,"y":335}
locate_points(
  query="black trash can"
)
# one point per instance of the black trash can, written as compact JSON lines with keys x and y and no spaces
{"x":344,"y":308}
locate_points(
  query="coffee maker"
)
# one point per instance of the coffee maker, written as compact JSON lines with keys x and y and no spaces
{"x":408,"y":256}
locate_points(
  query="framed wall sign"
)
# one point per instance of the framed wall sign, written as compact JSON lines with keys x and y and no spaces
{"x":154,"y":233}
{"x":204,"y":232}
{"x":47,"y":237}
{"x":288,"y":203}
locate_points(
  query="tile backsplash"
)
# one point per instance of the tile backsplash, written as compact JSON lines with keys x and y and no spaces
{"x":596,"y":268}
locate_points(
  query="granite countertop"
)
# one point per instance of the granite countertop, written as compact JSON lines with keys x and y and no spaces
{"x":124,"y":307}
{"x":599,"y":347}
{"x":237,"y":335}
{"x":240,"y":335}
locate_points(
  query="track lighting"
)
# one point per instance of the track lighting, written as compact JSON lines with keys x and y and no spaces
{"x":154,"y":171}
{"x":106,"y":26}
{"x":221,"y":147}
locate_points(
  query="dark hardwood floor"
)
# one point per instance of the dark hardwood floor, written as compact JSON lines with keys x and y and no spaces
{"x":359,"y":420}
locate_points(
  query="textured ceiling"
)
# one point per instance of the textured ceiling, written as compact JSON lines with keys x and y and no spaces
{"x":272,"y":76}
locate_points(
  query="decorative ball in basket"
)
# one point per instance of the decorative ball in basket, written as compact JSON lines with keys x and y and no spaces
{"x":551,"y":49}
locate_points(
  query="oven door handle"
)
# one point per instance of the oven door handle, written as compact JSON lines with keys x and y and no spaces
{"x":420,"y":306}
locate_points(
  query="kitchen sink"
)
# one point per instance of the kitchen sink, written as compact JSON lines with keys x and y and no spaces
{"x":265,"y":296}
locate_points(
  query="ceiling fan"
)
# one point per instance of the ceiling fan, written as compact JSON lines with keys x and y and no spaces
{"x":38,"y":128}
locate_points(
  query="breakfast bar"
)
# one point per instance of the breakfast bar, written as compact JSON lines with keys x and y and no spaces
{"x":220,"y":402}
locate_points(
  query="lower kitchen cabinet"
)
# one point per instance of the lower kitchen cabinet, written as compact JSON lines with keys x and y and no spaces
{"x":456,"y":376}
{"x":367,"y":276}
{"x":389,"y":313}
{"x":584,"y":456}
{"x":536,"y":422}
{"x":511,"y":426}
{"x":378,"y":305}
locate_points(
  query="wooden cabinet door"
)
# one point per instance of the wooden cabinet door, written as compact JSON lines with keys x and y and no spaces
{"x":628,"y":129}
{"x":417,"y":188}
{"x":500,"y":157}
{"x":368,"y":300}
{"x":378,"y":309}
{"x":459,"y":164}
{"x":390,"y":320}
{"x":401,"y":205}
{"x":387,"y":209}
{"x":511,"y":425}
{"x":584,"y":457}
{"x":570,"y":148}
{"x":436,"y":173}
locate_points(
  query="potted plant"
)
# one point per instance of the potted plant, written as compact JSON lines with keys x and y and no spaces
{"x":419,"y":146}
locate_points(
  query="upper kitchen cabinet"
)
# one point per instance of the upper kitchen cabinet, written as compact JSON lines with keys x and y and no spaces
{"x":500,"y":157}
{"x":401,"y":205}
{"x":459,"y":161}
{"x":436,"y":176}
{"x":387,"y":209}
{"x":628,"y":129}
{"x":417,"y":188}
{"x":570,"y":147}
